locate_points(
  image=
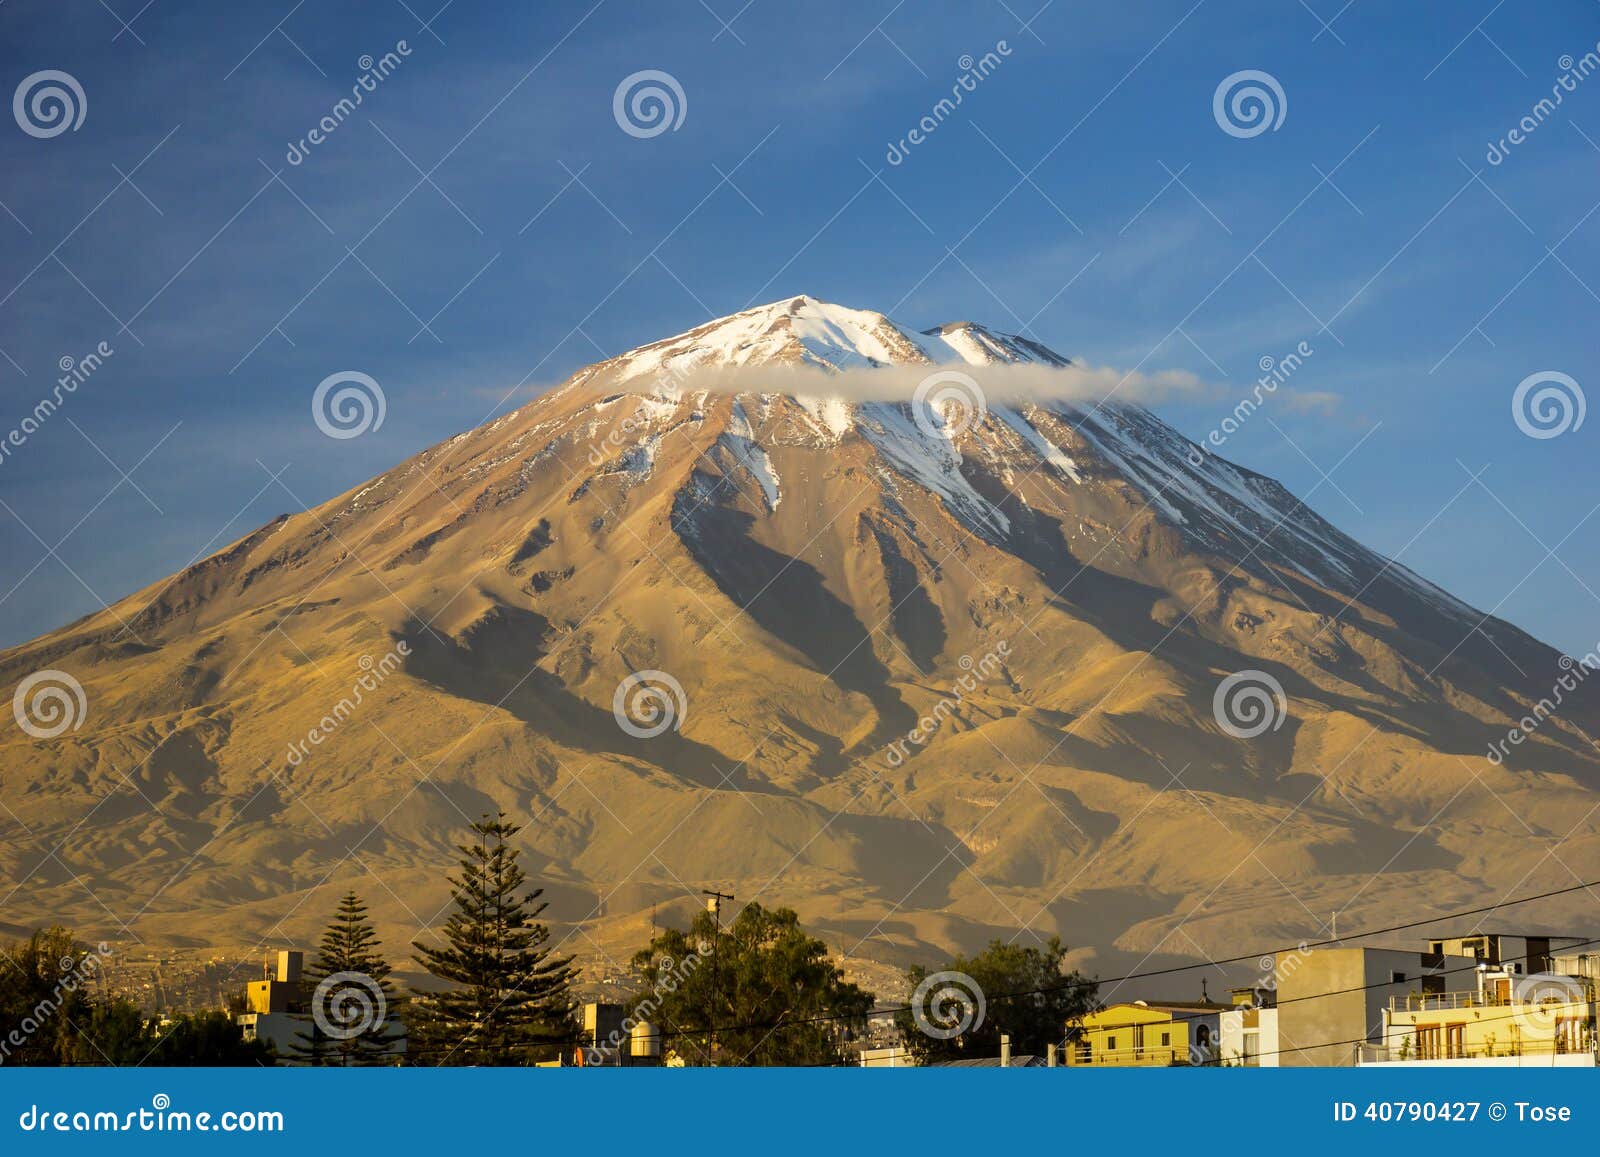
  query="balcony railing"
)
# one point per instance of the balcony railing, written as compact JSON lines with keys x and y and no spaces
{"x":1581,"y":995}
{"x":1531,"y":1050}
{"x":1130,"y":1058}
{"x":1428,"y":1001}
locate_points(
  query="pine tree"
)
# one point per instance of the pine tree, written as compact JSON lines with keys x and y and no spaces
{"x":354,"y":1007}
{"x":510,"y":1003}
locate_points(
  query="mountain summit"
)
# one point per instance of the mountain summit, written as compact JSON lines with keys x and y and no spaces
{"x":929,"y":670}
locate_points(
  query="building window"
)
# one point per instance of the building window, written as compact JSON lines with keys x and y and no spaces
{"x":1111,"y":1044}
{"x":1428,"y":1042}
{"x":1166,"y":1039}
{"x":1397,"y":978}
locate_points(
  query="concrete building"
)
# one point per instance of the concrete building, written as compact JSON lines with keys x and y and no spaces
{"x":1541,"y":1019}
{"x":1517,"y":953}
{"x":1331,"y":1001}
{"x":612,"y":1039}
{"x":1141,"y":1033}
{"x":1248,"y":1031}
{"x":887,"y":1057}
{"x":278,"y":1008}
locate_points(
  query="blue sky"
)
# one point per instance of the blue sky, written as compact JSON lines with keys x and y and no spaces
{"x":1083,"y":191}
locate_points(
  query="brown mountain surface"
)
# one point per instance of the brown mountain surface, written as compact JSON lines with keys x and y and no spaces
{"x":1059,"y":588}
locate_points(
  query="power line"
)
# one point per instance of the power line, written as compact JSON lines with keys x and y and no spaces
{"x":1208,"y":963}
{"x":774,"y":1025}
{"x":1068,"y":983}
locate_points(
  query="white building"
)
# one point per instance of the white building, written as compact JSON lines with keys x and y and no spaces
{"x":1248,"y":1037}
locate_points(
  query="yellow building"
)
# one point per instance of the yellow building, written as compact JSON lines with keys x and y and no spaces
{"x":1138,"y":1033}
{"x":1545,"y":1018}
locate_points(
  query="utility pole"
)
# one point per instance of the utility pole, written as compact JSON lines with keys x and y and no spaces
{"x":714,"y":906}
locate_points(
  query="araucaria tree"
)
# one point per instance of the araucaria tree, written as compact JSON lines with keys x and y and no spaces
{"x":764,"y":992}
{"x":355,"y":1013}
{"x":509,"y":1001}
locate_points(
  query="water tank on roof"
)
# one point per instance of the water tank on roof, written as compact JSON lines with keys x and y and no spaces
{"x":646,"y":1040}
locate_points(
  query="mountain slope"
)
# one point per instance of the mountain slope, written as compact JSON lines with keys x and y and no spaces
{"x":934,"y":671}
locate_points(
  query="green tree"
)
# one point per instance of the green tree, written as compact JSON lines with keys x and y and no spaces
{"x":764,"y":992}
{"x":510,"y":1002}
{"x":204,"y":1040}
{"x":354,"y":1007}
{"x":44,"y":996}
{"x":117,"y":1032}
{"x":961,"y":1011}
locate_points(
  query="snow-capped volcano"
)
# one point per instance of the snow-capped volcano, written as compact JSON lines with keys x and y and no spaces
{"x":933,"y":667}
{"x":1249,"y":518}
